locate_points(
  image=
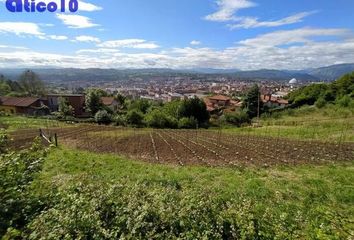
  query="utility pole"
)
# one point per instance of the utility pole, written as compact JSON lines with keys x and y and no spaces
{"x":258,"y":109}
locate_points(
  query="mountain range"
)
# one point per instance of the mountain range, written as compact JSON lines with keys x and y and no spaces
{"x":328,"y":73}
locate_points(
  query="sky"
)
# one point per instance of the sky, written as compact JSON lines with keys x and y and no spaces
{"x":181,"y":34}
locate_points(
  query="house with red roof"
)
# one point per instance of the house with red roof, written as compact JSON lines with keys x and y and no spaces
{"x":274,"y":102}
{"x":220,"y":100}
{"x":221,"y":103}
{"x":21,"y":105}
{"x":110,"y":102}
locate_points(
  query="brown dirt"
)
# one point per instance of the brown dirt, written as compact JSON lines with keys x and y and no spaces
{"x":190,"y":147}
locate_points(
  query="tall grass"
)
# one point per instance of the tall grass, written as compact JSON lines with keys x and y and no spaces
{"x":332,"y":124}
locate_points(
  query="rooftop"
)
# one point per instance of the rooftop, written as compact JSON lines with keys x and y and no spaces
{"x":17,"y":102}
{"x":107,"y":101}
{"x":220,"y":98}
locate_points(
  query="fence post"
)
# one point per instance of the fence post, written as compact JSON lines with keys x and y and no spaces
{"x":56,"y":139}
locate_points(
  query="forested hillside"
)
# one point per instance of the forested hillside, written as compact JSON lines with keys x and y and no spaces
{"x":340,"y":91}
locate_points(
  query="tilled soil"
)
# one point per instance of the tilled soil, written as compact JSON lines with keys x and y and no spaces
{"x":191,"y":147}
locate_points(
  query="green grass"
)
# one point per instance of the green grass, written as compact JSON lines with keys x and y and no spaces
{"x":323,"y":196}
{"x":14,"y":123}
{"x":316,"y":200}
{"x":328,"y":185}
{"x":331,"y":123}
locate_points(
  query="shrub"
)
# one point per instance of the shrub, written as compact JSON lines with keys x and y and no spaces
{"x":344,"y":101}
{"x":17,"y":203}
{"x":158,"y":119}
{"x":103,"y":117}
{"x":135,"y":117}
{"x":237,"y":118}
{"x":3,"y":142}
{"x":320,"y":103}
{"x":188,"y":123}
{"x":120,"y":120}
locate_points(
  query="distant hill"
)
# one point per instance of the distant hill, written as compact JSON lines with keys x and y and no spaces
{"x":266,"y":74}
{"x":333,"y":72}
{"x":329,"y":73}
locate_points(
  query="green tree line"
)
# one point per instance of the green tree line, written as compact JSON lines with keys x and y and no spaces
{"x":339,"y":92}
{"x":28,"y":84}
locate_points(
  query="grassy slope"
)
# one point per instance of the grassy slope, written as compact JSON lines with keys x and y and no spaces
{"x":17,"y":122}
{"x":307,"y":187}
{"x":331,"y":123}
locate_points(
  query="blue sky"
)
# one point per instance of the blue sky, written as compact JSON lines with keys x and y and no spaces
{"x":181,"y":34}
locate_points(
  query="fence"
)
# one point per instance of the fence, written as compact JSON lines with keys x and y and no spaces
{"x":51,"y":139}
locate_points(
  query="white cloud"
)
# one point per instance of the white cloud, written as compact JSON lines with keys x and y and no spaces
{"x":76,"y":21}
{"x":227,"y":12}
{"x":195,"y":42}
{"x":89,"y":7}
{"x":129,"y":43}
{"x":98,"y":50}
{"x":84,"y":38}
{"x":291,"y":49}
{"x":252,"y":22}
{"x":20,"y":28}
{"x":301,"y":35}
{"x":57,"y":37}
{"x":13,"y":47}
{"x":28,"y":29}
{"x":227,"y":9}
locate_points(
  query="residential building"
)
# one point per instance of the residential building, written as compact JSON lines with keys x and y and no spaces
{"x":21,"y":105}
{"x":110,"y":102}
{"x":274,"y":101}
{"x":77,"y":101}
{"x":220,"y":100}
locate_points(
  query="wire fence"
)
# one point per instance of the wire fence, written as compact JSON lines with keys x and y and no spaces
{"x":261,"y":145}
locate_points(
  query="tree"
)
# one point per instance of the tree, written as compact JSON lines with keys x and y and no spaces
{"x":141,"y":105}
{"x":252,"y":103}
{"x":65,"y":109}
{"x":159,"y":119}
{"x":332,"y":92}
{"x":135,"y":117}
{"x":196,"y":108}
{"x":31,"y":84}
{"x":93,"y":100}
{"x":4,"y":88}
{"x":121,"y":101}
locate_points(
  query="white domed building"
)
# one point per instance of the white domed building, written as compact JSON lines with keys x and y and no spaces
{"x":293,"y":81}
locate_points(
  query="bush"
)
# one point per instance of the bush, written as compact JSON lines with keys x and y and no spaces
{"x":3,"y":142}
{"x":344,"y":101}
{"x":237,"y":118}
{"x":17,"y":203}
{"x":188,"y":123}
{"x":158,"y":119}
{"x":103,"y":117}
{"x":135,"y":118}
{"x":120,"y":120}
{"x":320,"y":103}
{"x":87,"y":210}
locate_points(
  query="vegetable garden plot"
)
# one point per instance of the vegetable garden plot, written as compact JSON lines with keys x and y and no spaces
{"x":195,"y":147}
